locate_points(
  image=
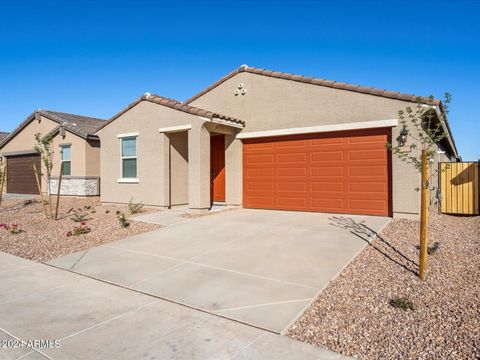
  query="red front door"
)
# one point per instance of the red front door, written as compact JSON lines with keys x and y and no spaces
{"x":217,"y":166}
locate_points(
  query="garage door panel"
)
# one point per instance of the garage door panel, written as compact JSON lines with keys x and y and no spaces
{"x":327,"y":186}
{"x":370,"y":154}
{"x":368,"y":205}
{"x":260,"y":186}
{"x":260,"y":172}
{"x":329,"y":141}
{"x":289,"y":144}
{"x":367,"y":187}
{"x":292,"y":186}
{"x":324,"y":156}
{"x":370,"y":170}
{"x":259,"y":146}
{"x":260,"y":159}
{"x":324,"y":171}
{"x":291,"y":158}
{"x":328,"y":205}
{"x":261,"y":202}
{"x":342,"y":172}
{"x":292,"y":171}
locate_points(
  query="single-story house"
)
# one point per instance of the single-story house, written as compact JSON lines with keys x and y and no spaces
{"x":3,"y":135}
{"x":74,"y":143}
{"x":289,"y":142}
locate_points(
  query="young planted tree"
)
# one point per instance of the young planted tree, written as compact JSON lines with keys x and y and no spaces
{"x":3,"y":178}
{"x":426,"y":126}
{"x":43,"y":145}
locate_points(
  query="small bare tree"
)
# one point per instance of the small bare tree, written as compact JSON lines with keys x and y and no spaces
{"x":3,"y":176}
{"x":426,"y":126}
{"x":43,"y":145}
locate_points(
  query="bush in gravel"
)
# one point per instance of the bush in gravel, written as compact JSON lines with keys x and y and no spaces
{"x":79,"y":230}
{"x":124,"y":223}
{"x":402,"y":303}
{"x":12,"y":229}
{"x":135,"y":208}
{"x":78,"y":217}
{"x":434,"y":248}
{"x":431,"y":250}
{"x":29,"y":202}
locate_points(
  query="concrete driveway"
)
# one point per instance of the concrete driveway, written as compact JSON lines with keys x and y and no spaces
{"x":262,"y":268}
{"x":48,"y":313}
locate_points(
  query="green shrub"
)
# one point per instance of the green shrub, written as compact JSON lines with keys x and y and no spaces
{"x":124,"y":223}
{"x":402,"y":303}
{"x":79,"y":217}
{"x":135,"y":208}
{"x":79,"y":230}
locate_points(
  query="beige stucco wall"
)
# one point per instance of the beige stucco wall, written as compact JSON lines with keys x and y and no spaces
{"x":188,"y":168}
{"x":271,"y":103}
{"x":179,"y":168}
{"x":92,"y":158}
{"x":85,"y":156}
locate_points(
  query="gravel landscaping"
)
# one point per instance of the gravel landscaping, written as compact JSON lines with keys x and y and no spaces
{"x":355,"y":315}
{"x":41,"y":239}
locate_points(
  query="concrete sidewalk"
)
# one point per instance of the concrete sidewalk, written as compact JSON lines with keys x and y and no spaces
{"x":96,"y":320}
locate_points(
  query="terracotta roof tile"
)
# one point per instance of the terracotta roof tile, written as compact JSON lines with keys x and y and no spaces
{"x":177,"y":105}
{"x":315,"y":81}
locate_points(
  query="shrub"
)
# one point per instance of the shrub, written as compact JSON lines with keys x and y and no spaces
{"x":12,"y":229}
{"x":434,"y":248}
{"x":431,"y":250}
{"x":79,"y":230}
{"x":29,"y":202}
{"x":124,"y":223}
{"x":402,"y":303}
{"x":79,"y":217}
{"x":135,"y":208}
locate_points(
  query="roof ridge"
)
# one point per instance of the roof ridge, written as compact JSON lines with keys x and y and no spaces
{"x":70,"y":114}
{"x":317,"y":81}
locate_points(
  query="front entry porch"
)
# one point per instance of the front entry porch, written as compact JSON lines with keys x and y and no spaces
{"x":194,"y":165}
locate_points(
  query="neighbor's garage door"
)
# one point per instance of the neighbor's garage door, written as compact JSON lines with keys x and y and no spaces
{"x":20,"y":174}
{"x":339,"y":172}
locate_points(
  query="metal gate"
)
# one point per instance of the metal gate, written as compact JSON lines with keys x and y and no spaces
{"x":459,"y":187}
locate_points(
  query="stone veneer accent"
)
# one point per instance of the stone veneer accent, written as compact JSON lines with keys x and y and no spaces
{"x":76,"y":185}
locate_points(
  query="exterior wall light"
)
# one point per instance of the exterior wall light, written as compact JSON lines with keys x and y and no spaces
{"x":402,"y":139}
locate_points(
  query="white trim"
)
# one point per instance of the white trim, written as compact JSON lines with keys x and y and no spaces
{"x":173,"y":129}
{"x":119,"y":136}
{"x":128,"y":181}
{"x":321,"y":128}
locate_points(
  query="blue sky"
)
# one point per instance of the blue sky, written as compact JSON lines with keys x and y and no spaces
{"x":95,"y":57}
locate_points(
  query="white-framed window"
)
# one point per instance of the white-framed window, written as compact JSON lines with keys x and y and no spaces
{"x":129,"y":157}
{"x":66,"y":157}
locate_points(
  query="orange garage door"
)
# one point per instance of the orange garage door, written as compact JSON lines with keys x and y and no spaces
{"x":339,"y":172}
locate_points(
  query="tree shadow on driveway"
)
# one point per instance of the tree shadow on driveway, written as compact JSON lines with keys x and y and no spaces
{"x":367,"y":234}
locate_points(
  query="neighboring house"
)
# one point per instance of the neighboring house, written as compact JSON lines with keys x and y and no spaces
{"x":301,"y":143}
{"x":74,"y":143}
{"x":3,"y":136}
